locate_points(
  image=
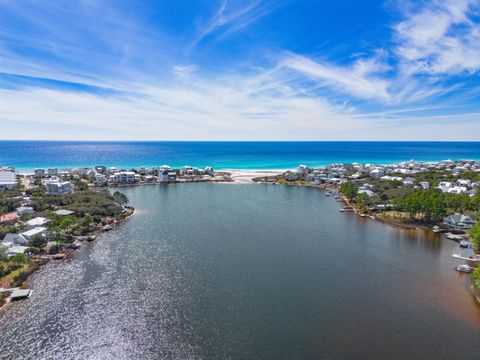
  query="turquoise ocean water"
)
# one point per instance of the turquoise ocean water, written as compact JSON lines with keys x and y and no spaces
{"x":27,"y":155}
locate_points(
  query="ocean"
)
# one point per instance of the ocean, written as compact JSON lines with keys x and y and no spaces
{"x":27,"y":155}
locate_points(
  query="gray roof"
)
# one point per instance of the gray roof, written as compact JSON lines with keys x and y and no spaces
{"x":63,"y":212}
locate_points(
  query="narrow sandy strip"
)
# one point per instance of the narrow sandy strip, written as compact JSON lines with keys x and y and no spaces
{"x":246,"y":176}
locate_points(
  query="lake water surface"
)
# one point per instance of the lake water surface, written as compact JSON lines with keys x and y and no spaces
{"x":214,"y":271}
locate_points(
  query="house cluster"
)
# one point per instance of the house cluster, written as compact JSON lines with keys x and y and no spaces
{"x":401,"y":172}
{"x":156,"y":174}
{"x":59,"y":182}
{"x":18,"y":243}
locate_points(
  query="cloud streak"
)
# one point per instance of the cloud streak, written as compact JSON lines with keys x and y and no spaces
{"x":118,"y":77}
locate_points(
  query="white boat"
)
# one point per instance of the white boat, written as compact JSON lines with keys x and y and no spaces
{"x":436,"y":229}
{"x":464,"y":268}
{"x":464,"y":244}
{"x":451,"y":236}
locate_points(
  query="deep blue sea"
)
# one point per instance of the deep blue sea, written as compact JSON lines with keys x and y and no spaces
{"x":27,"y":155}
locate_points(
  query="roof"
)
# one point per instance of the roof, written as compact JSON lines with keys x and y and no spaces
{"x":9,"y":217}
{"x":63,"y":212}
{"x":37,"y":221}
{"x":459,"y":218}
{"x":13,"y":238}
{"x":34,"y":231}
{"x":24,"y":208}
{"x":16,"y":249}
{"x":20,"y":294}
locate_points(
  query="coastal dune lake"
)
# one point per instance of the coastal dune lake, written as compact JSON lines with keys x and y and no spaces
{"x":219,"y":271}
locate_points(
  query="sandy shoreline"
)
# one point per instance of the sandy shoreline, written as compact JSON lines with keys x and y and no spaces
{"x":246,"y":176}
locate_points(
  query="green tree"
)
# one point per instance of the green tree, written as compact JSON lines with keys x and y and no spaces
{"x":347,"y":189}
{"x":87,"y":220}
{"x":19,"y":259}
{"x":3,"y":253}
{"x":120,"y":198}
{"x":476,"y":278}
{"x":81,"y":185}
{"x":475,"y":235}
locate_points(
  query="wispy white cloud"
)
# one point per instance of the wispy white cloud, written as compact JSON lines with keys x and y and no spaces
{"x":155,"y":92}
{"x":359,"y":79}
{"x":441,"y":38}
{"x":230,"y":16}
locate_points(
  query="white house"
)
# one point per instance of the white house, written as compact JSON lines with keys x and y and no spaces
{"x":38,"y":221}
{"x":409,"y":181}
{"x":8,"y":179}
{"x":366,"y":192}
{"x":425,"y":185}
{"x":16,"y":249}
{"x":457,"y":190}
{"x":163,"y":175}
{"x":32,"y":233}
{"x":100,"y":179}
{"x":444,"y":186}
{"x":377,"y":173}
{"x":390,"y":178}
{"x":52,"y":172}
{"x":125,"y":177}
{"x":55,"y":186}
{"x":459,"y":221}
{"x":39,"y":173}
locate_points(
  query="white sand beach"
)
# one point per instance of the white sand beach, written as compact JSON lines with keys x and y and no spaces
{"x":246,"y":176}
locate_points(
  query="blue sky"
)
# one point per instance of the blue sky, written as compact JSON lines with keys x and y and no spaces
{"x":240,"y":70}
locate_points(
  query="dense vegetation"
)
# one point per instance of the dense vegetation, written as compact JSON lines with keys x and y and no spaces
{"x":432,"y":205}
{"x":476,"y":278}
{"x":429,"y":206}
{"x":91,"y":210}
{"x":475,"y":236}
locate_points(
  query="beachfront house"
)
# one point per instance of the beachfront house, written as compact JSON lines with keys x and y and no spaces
{"x":100,"y":179}
{"x":459,"y":221}
{"x":66,"y":174}
{"x":291,"y":176}
{"x":125,"y":177}
{"x":209,"y":171}
{"x":100,"y":169}
{"x":56,"y":186}
{"x":172,"y":176}
{"x":39,"y":173}
{"x":52,"y":172}
{"x":163,"y":175}
{"x":8,"y":179}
